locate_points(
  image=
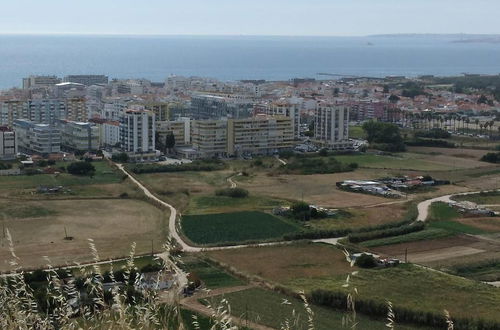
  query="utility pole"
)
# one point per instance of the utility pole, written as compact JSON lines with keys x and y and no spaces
{"x":65,"y":233}
{"x":406,"y":255}
{"x":152,"y":252}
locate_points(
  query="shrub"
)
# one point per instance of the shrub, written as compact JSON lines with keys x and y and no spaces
{"x":120,"y":158}
{"x":51,"y":162}
{"x":491,"y":157}
{"x":232,"y":192}
{"x":41,"y":163}
{"x":124,"y":195}
{"x":366,"y":261}
{"x":81,"y":168}
{"x":366,"y":236}
{"x":430,"y":143}
{"x":436,"y":133}
{"x":5,"y":166}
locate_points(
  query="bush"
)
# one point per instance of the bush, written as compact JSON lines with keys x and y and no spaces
{"x":232,"y":192}
{"x":81,"y":168}
{"x":366,"y":261}
{"x":491,"y":157}
{"x":151,"y":268}
{"x":435,"y":133}
{"x":430,"y":143}
{"x":41,"y":163}
{"x":366,"y":236}
{"x":316,"y":165}
{"x":51,"y":162}
{"x":120,"y":158}
{"x":5,"y":166}
{"x":323,"y":152}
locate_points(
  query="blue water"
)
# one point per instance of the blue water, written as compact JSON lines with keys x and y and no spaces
{"x":234,"y":58}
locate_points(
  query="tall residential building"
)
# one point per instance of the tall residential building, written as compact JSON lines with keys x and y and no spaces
{"x":209,"y":138}
{"x":40,"y":81}
{"x":218,"y":107}
{"x":8,"y":145}
{"x":137,"y":134}
{"x":75,"y":109}
{"x":161,"y":110}
{"x":12,"y":110}
{"x":180,"y":128}
{"x":260,"y":135}
{"x":87,"y":79}
{"x":331,"y":126}
{"x":78,"y":136}
{"x":45,"y":111}
{"x":287,"y":109}
{"x":37,"y":138}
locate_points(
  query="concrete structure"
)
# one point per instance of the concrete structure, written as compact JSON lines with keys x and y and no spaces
{"x":209,"y":138}
{"x":260,"y":135}
{"x":287,"y":109}
{"x":181,"y":129}
{"x":12,"y":110}
{"x":37,"y":138}
{"x":87,"y":79}
{"x":218,"y":107}
{"x":331,"y":126}
{"x":137,"y":134}
{"x":78,"y":136}
{"x":40,"y":81}
{"x":8,"y":144}
{"x":161,"y":110}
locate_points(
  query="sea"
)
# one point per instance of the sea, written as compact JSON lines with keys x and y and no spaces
{"x":231,"y":58}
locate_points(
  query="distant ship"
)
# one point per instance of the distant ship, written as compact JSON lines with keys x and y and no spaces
{"x":370,"y":44}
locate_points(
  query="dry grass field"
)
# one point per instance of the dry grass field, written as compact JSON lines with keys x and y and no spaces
{"x":38,"y":229}
{"x":445,"y":252}
{"x":284,"y":263}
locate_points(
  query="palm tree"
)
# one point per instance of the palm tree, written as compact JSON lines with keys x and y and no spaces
{"x":477,"y":123}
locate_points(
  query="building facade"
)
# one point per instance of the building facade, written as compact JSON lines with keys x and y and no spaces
{"x":209,"y":138}
{"x":331,"y":126}
{"x":8,"y":144}
{"x":35,"y":138}
{"x":283,"y":108}
{"x":87,"y":80}
{"x":137,"y":134}
{"x":79,"y":136}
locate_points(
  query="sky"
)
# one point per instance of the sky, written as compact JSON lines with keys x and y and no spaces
{"x":249,"y":17}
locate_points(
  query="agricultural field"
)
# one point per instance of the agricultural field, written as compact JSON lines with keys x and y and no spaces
{"x":202,"y":204}
{"x":484,"y":198}
{"x":267,"y":308}
{"x":308,"y":267}
{"x":417,"y":288}
{"x":361,"y":217}
{"x":39,"y":228}
{"x":212,"y":276}
{"x":234,"y":227}
{"x":280,"y":264}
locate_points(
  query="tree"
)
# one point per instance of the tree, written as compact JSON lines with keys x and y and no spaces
{"x":394,"y":98}
{"x":482,"y":99}
{"x":386,"y":134}
{"x":366,"y":261}
{"x":81,"y":168}
{"x":160,"y":145}
{"x":120,"y":158}
{"x":386,"y":89}
{"x":170,"y":141}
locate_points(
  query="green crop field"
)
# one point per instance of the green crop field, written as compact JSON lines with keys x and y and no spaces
{"x":234,"y":227}
{"x":221,"y":204}
{"x":417,"y":288}
{"x":440,"y":211}
{"x":456,"y":227}
{"x":212,"y":276}
{"x":272,"y":309}
{"x":492,"y":197}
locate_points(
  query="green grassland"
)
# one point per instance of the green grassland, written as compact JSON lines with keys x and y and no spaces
{"x":414,"y":287}
{"x":356,"y":132}
{"x":272,"y":309}
{"x":456,"y":227}
{"x":492,"y":197}
{"x":211,"y":276}
{"x":407,"y":161}
{"x":218,"y":204}
{"x":488,"y":270}
{"x":104,"y":174}
{"x":426,"y":234}
{"x":440,"y":211}
{"x":234,"y":227}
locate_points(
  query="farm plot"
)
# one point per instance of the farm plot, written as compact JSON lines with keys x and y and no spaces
{"x":39,"y":228}
{"x":224,"y":228}
{"x":211,"y":276}
{"x":267,"y":308}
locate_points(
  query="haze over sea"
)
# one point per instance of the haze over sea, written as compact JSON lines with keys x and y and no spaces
{"x":245,"y":57}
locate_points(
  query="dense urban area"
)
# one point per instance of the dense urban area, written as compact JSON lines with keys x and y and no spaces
{"x":341,"y":201}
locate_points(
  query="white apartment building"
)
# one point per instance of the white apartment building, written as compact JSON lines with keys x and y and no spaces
{"x":287,"y":109}
{"x":37,"y":138}
{"x":137,"y":134}
{"x":331,"y":126}
{"x":111,"y":136}
{"x":78,"y":136}
{"x":8,"y":145}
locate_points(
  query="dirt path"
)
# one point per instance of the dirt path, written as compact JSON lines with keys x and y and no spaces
{"x":281,"y":160}
{"x":231,"y":181}
{"x":192,"y":303}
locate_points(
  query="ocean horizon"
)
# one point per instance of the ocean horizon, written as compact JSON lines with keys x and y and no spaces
{"x":231,"y":58}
